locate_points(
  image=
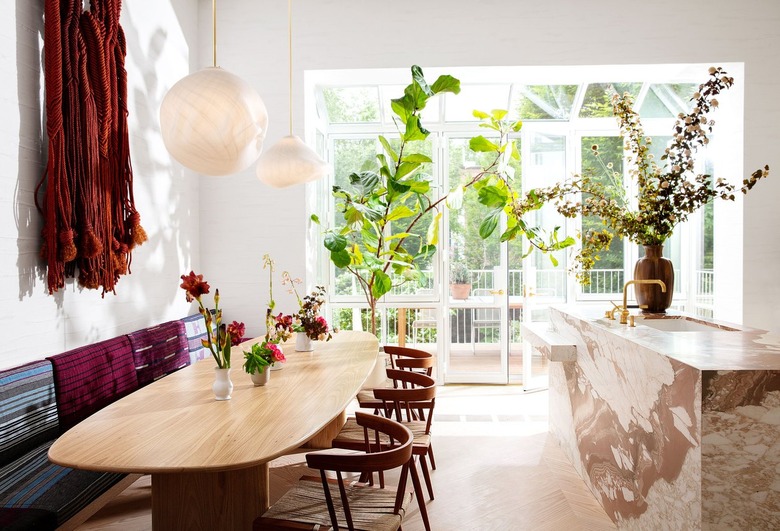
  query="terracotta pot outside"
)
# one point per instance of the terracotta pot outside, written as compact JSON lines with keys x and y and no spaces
{"x":460,"y":291}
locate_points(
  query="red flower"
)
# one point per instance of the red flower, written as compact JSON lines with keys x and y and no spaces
{"x":276,"y":352}
{"x":194,"y":285}
{"x":236,"y":331}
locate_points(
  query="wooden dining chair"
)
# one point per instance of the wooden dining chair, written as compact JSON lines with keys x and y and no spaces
{"x":403,"y":358}
{"x":414,"y":391}
{"x":397,"y":353}
{"x":317,"y":502}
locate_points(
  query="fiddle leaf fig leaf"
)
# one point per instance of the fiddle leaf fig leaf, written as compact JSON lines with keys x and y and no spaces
{"x":481,"y":144}
{"x":426,"y":251}
{"x":315,"y":219}
{"x":352,"y":216}
{"x":489,"y":224}
{"x":335,"y":242}
{"x":415,"y":130}
{"x":493,"y":196}
{"x":480,"y":114}
{"x":455,"y":198}
{"x":406,"y":168}
{"x":498,"y":114}
{"x":403,"y":107}
{"x":417,"y":157}
{"x":433,"y":230}
{"x":382,"y":284}
{"x":446,"y":83}
{"x":340,"y":259}
{"x":388,"y":148}
{"x":417,"y":76}
{"x":510,"y":234}
{"x":400,"y":212}
{"x":366,"y":180}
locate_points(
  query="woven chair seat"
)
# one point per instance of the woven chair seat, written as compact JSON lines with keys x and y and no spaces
{"x":365,"y":398}
{"x":371,"y":507}
{"x":352,"y":433}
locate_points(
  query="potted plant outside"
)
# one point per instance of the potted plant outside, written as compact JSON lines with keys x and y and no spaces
{"x":460,"y":280}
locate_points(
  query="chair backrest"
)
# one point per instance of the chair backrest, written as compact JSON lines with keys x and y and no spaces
{"x":423,"y":365}
{"x":159,"y":350}
{"x":410,"y":359}
{"x":28,"y":410}
{"x":413,"y":392}
{"x":396,"y":453}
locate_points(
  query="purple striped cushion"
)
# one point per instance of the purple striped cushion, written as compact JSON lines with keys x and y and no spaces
{"x":89,"y":378}
{"x":159,"y":350}
{"x":195,"y":327}
{"x":28,"y":411}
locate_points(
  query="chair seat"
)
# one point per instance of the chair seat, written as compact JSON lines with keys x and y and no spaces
{"x":371,"y":507}
{"x":365,"y":399}
{"x":351,"y":435}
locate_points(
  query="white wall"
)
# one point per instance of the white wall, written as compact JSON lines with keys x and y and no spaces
{"x":160,"y":35}
{"x":224,"y":230}
{"x":330,"y":34}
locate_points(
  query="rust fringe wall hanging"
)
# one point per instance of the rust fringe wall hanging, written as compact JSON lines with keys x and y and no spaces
{"x":90,"y":221}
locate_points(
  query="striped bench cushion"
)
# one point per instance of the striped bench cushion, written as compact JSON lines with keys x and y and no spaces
{"x":28,"y":411}
{"x":13,"y":519}
{"x":195,"y":328}
{"x":159,"y":350}
{"x":89,"y":378}
{"x":33,"y":483}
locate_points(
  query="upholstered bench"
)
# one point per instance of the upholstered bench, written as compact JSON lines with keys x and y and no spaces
{"x":42,"y":399}
{"x":34,"y":493}
{"x":159,"y":350}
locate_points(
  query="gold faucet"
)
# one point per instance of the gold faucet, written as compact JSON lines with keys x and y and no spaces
{"x":624,"y":312}
{"x":610,"y":314}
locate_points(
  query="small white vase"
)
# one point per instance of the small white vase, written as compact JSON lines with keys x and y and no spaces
{"x":222,"y":386}
{"x":303,"y":343}
{"x":261,"y":378}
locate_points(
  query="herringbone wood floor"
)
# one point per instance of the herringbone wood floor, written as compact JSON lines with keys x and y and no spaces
{"x":498,"y":469}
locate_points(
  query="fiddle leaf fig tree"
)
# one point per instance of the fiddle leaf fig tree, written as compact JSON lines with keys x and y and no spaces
{"x":379,"y":237}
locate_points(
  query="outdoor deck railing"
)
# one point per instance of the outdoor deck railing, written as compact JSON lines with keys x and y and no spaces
{"x":480,"y":326}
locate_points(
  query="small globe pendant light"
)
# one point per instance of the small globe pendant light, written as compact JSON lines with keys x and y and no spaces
{"x":290,"y":161}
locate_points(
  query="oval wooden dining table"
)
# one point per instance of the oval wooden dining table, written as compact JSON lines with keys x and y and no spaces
{"x":209,"y":459}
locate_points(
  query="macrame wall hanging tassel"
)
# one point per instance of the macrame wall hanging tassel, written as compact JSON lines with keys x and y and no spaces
{"x":91,"y":224}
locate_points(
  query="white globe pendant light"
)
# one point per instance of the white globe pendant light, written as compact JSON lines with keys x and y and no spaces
{"x":290,"y":161}
{"x":212,"y":121}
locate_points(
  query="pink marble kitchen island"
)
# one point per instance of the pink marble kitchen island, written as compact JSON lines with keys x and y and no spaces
{"x":669,"y":429}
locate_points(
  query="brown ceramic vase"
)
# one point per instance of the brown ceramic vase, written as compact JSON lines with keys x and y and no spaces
{"x":653,"y":266}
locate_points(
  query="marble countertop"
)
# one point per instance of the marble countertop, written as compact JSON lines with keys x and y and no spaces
{"x":725,"y":347}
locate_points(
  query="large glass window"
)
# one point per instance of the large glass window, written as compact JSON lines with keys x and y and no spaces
{"x":566,"y":115}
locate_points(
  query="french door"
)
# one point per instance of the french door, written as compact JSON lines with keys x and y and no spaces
{"x":482,"y":342}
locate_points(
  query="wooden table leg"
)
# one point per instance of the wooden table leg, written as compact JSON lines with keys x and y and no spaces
{"x":228,"y":500}
{"x":324,"y":437}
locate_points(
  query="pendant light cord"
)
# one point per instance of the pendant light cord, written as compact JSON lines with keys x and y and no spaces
{"x":289,"y":51}
{"x":214,"y":31}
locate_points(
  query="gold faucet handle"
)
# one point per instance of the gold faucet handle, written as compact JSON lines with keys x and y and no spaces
{"x":624,"y":316}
